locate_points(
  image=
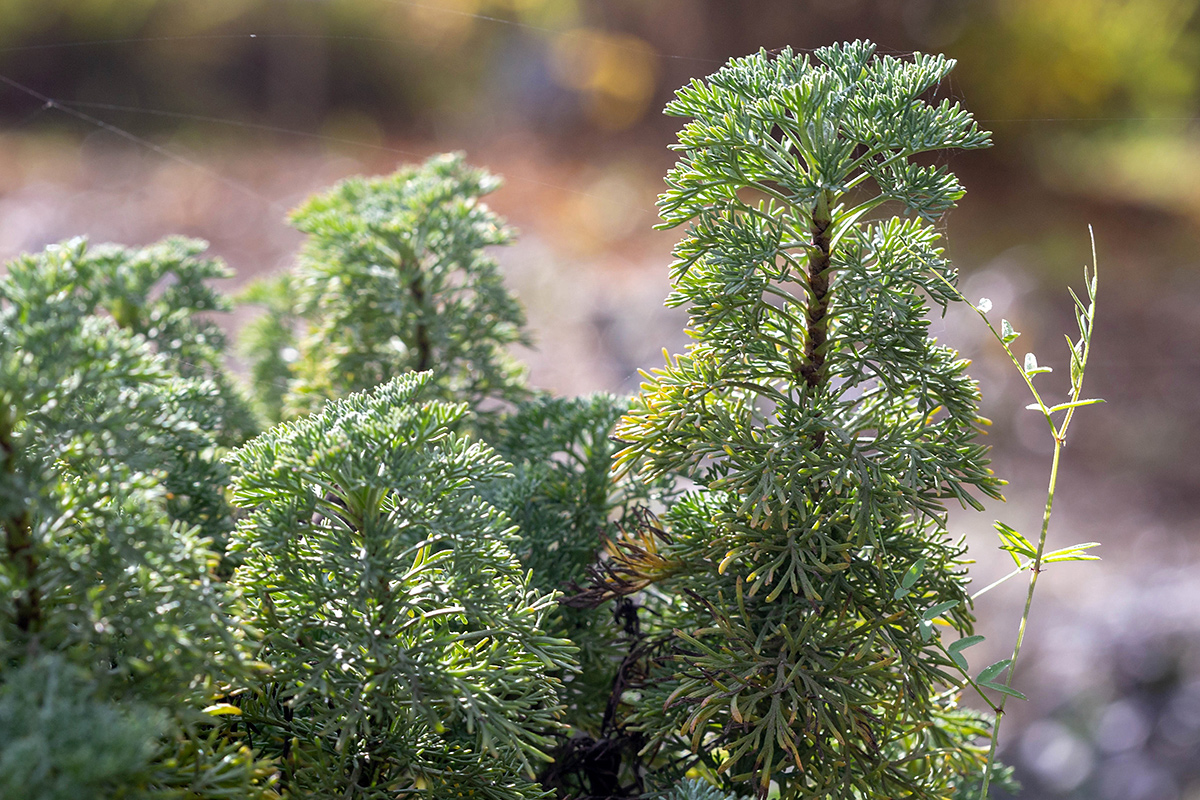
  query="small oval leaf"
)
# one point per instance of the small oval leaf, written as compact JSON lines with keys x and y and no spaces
{"x":965,"y":642}
{"x":1002,"y":689}
{"x":223,"y":710}
{"x":934,"y":612}
{"x":993,"y":671}
{"x":1007,"y":334}
{"x":913,"y":573}
{"x":955,"y":649}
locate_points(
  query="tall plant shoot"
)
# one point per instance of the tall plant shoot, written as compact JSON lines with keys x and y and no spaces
{"x":824,"y":430}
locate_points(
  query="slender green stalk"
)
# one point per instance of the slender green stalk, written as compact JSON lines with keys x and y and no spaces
{"x":1086,"y":318}
{"x":1035,"y":571}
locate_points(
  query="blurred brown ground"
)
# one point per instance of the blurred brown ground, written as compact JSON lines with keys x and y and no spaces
{"x":228,"y":113}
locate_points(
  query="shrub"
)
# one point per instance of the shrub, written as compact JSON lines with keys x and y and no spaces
{"x":406,"y":643}
{"x":355,"y":312}
{"x":426,"y":580}
{"x":114,"y":631}
{"x":823,"y":429}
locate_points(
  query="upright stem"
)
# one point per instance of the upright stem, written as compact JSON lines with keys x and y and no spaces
{"x":813,"y":368}
{"x":1036,"y":570}
{"x":424,"y":346}
{"x":818,"y":283}
{"x":18,"y":537}
{"x":1078,"y":371}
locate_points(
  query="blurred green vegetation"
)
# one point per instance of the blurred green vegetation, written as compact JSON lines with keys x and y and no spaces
{"x":1098,"y":97}
{"x":1084,"y":58}
{"x":397,"y":62}
{"x":1093,"y":97}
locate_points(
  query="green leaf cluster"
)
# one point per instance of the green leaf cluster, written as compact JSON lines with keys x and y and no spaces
{"x":393,"y":277}
{"x":402,"y":631}
{"x":566,"y":504}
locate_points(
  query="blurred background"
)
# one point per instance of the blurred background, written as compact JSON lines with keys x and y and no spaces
{"x":127,"y":120}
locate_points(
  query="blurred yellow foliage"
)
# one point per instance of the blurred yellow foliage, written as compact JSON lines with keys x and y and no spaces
{"x":615,"y":71}
{"x":1155,"y":169}
{"x":1060,"y":58}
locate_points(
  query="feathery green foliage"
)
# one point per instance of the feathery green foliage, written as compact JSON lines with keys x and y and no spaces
{"x":111,"y":618}
{"x":750,"y":599}
{"x":566,"y":505}
{"x":394,"y":278}
{"x":563,"y":481}
{"x":403,"y":633}
{"x":823,"y":428}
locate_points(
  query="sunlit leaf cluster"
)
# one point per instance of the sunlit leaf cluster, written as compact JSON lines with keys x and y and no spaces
{"x":401,"y":628}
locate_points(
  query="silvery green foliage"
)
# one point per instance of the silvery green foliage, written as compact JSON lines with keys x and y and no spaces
{"x":408,"y":648}
{"x":109,"y":609}
{"x":355,"y":311}
{"x":158,"y":294}
{"x":776,"y":622}
{"x":823,"y":428}
{"x":691,"y":789}
{"x":60,"y":742}
{"x":394,"y":278}
{"x":162,"y":292}
{"x":269,"y":342}
{"x":562,"y":481}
